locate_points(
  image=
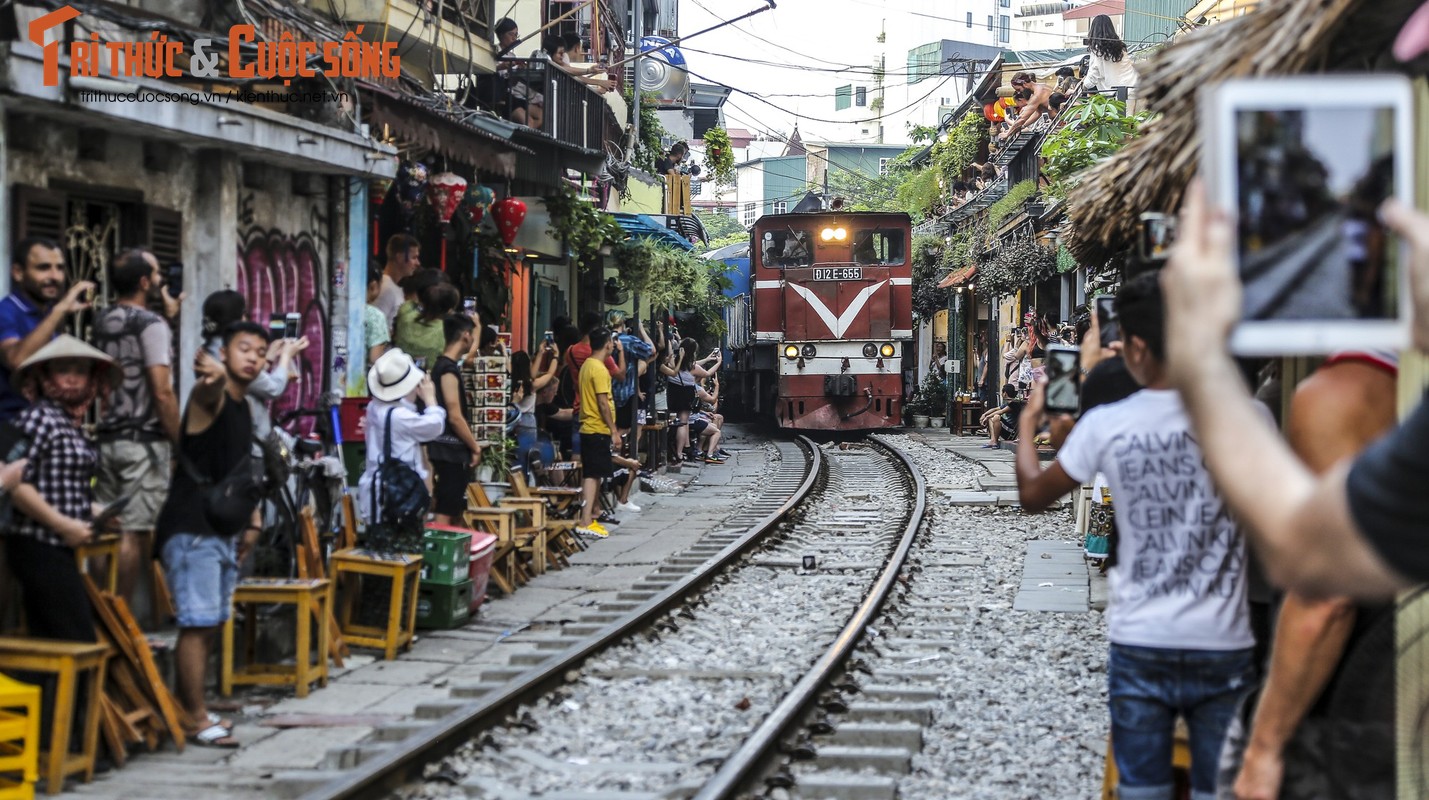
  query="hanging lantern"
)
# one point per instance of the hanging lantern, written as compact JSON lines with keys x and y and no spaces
{"x":509,"y":213}
{"x":445,"y":192}
{"x":377,"y":189}
{"x":411,"y":183}
{"x":476,"y":201}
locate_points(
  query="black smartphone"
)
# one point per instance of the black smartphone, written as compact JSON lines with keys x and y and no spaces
{"x":277,"y":326}
{"x":1106,"y":319}
{"x":1064,"y":378}
{"x":175,"y":279}
{"x":111,"y":512}
{"x":468,"y":304}
{"x":550,"y":337}
{"x":1158,"y":233}
{"x":292,"y":325}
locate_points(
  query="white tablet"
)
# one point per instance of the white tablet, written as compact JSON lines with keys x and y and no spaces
{"x":1303,"y":163}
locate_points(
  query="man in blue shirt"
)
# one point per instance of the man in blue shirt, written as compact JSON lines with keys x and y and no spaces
{"x":31,"y":315}
{"x":637,"y":349}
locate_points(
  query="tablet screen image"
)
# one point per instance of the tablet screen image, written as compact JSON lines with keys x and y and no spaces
{"x":1303,"y":165}
{"x":1309,"y":182}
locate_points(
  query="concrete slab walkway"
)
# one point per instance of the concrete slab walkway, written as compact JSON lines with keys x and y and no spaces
{"x":280,"y":732}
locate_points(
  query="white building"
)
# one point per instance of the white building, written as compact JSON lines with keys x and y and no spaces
{"x":1043,"y":25}
{"x":923,"y":55}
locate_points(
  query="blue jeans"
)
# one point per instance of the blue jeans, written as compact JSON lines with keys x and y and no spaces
{"x":1147,"y":688}
{"x":202,"y":572}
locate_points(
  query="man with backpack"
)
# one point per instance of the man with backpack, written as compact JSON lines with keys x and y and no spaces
{"x":202,"y":540}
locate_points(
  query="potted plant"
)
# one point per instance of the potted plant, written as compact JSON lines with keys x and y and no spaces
{"x":495,"y":466}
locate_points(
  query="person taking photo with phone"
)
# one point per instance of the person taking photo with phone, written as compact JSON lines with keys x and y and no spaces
{"x":34,"y":311}
{"x":455,"y":452}
{"x":140,"y":422}
{"x":1177,"y":615}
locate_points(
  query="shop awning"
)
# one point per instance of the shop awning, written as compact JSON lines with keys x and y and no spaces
{"x":958,"y":277}
{"x":477,"y":141}
{"x":642,"y":226}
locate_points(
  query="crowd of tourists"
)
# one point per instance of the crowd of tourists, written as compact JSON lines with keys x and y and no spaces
{"x":93,"y":439}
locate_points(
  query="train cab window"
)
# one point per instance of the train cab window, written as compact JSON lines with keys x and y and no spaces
{"x":878,"y":246}
{"x":786,"y":248}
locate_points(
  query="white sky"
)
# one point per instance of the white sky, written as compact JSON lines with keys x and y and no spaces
{"x":819,"y":31}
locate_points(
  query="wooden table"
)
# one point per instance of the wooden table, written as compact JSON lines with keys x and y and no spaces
{"x":966,"y":414}
{"x":67,"y":661}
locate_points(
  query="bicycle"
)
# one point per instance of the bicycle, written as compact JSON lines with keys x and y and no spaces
{"x":302,"y":474}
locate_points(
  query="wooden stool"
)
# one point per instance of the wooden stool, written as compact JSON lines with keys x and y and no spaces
{"x":310,"y":598}
{"x":106,"y":547}
{"x":67,"y":661}
{"x":19,"y":739}
{"x":1180,"y":760}
{"x":403,"y":570}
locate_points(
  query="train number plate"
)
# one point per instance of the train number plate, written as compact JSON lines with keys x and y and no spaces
{"x":838,"y":273}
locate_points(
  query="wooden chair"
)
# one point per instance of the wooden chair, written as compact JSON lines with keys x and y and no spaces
{"x":529,"y":539}
{"x":349,"y":523}
{"x":19,"y":739}
{"x":311,"y":599}
{"x":69,"y":662}
{"x":402,"y":571}
{"x":310,"y":565}
{"x":105,"y":547}
{"x":561,"y":505}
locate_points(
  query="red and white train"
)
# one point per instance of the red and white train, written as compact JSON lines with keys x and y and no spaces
{"x":821,"y":317}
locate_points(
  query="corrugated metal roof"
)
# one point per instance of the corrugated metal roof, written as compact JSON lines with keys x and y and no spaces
{"x":640,"y":225}
{"x":1109,"y":7}
{"x":1039,"y":9}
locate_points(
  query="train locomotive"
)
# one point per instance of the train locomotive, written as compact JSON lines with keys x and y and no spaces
{"x":822,"y":313}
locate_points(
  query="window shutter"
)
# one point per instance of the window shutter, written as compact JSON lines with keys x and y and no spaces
{"x":165,"y":234}
{"x":40,"y":212}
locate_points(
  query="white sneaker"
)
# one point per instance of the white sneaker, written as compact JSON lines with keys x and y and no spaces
{"x":628,"y":507}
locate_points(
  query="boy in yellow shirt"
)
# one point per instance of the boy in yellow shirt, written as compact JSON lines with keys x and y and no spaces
{"x":597,"y":417}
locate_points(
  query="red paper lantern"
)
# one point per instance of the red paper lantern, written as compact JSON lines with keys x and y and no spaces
{"x":444,"y":192}
{"x":509,"y":213}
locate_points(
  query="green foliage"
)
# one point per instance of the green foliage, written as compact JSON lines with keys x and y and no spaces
{"x":1010,"y":203}
{"x":920,"y":190}
{"x":584,"y":228}
{"x":1066,"y":262}
{"x":652,"y":133}
{"x":719,"y":155}
{"x":1015,"y":266}
{"x":1095,"y":130}
{"x":663,"y":275}
{"x":928,"y":259}
{"x":716,"y":242}
{"x":931,"y":399}
{"x":718,"y":225}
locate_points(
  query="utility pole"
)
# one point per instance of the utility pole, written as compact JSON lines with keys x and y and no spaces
{"x":880,"y":73}
{"x":636,"y":12}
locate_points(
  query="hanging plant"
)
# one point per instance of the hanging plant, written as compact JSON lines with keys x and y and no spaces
{"x":719,"y":155}
{"x":1066,"y":262}
{"x":583,"y":228}
{"x":1015,"y":265}
{"x":928,"y":254}
{"x":1010,"y":203}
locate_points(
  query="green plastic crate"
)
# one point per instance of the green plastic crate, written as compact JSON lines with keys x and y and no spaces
{"x":441,"y":605}
{"x":446,"y":555}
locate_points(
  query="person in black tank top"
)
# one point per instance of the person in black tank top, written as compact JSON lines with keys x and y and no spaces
{"x":201,"y":564}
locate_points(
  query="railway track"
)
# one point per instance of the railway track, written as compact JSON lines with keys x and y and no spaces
{"x":690,"y":683}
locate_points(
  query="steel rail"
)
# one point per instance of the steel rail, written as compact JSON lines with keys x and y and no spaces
{"x":738,"y":769}
{"x":388,"y":771}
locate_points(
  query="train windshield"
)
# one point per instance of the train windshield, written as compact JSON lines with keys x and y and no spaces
{"x":786,"y":247}
{"x":878,"y":246}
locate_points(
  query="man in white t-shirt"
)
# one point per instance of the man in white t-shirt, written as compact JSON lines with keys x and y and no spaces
{"x":1181,"y":642}
{"x":404,"y":257}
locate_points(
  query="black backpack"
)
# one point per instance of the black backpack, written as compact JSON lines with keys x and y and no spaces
{"x":396,"y":522}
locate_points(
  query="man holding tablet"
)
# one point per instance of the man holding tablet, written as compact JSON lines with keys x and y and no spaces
{"x":1360,"y":528}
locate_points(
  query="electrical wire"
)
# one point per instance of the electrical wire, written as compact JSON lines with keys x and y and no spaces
{"x":797,"y":115}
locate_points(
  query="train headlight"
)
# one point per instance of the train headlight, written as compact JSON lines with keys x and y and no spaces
{"x":791,"y":352}
{"x":840,"y":234}
{"x":809,"y":351}
{"x":886,"y":350}
{"x":827,"y":234}
{"x":870,"y":350}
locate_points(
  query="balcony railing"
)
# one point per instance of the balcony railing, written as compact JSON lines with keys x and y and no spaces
{"x":543,"y":97}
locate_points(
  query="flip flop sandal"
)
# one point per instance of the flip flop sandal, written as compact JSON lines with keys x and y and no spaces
{"x":226,"y":724}
{"x":215,"y":736}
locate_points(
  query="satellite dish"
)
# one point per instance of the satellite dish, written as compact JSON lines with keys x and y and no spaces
{"x":663,"y":73}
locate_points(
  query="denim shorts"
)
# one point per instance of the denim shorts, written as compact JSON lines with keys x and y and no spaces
{"x":202,"y":572}
{"x":1147,"y":688}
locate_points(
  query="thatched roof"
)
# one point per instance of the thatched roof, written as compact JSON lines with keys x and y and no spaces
{"x":1284,"y":37}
